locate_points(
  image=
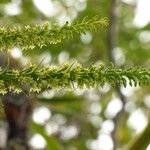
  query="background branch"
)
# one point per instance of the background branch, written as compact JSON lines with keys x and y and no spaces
{"x":112,"y":37}
{"x":142,"y":141}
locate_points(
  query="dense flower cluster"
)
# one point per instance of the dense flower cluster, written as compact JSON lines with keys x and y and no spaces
{"x":31,"y":36}
{"x":66,"y":76}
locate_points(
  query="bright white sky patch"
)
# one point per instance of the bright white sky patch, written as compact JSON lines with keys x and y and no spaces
{"x":86,"y":38}
{"x":12,"y":8}
{"x":144,"y":36}
{"x":37,"y":142}
{"x":80,"y":6}
{"x":16,"y":53}
{"x":47,"y":94}
{"x":63,"y":57}
{"x":95,"y":108}
{"x":148,"y":148}
{"x":51,"y":128}
{"x":107,"y":126}
{"x":104,"y":142}
{"x":129,"y":1}
{"x":118,"y":56}
{"x":137,"y":121}
{"x":63,"y":17}
{"x":147,"y":100}
{"x":3,"y":137}
{"x":95,"y":120}
{"x":130,"y":106}
{"x":114,"y":106}
{"x":69,"y":3}
{"x":46,"y":7}
{"x":92,"y":95}
{"x":142,"y":13}
{"x":45,"y":58}
{"x":129,"y":90}
{"x":59,"y":119}
{"x":106,"y":87}
{"x":69,"y":132}
{"x":41,"y":115}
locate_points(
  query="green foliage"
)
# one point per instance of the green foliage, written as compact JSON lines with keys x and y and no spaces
{"x":52,"y":143}
{"x":74,"y":108}
{"x":5,"y":1}
{"x":66,"y":76}
{"x":31,"y":36}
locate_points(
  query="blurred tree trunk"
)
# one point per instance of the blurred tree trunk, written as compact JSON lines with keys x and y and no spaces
{"x":112,"y":43}
{"x":17,"y":109}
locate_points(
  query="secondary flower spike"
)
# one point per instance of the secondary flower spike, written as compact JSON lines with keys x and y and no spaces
{"x":31,"y":36}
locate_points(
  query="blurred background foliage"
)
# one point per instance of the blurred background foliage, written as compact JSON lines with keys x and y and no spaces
{"x":85,"y":119}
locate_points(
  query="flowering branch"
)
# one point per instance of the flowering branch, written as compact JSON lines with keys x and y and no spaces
{"x":31,"y":36}
{"x":66,"y":76}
